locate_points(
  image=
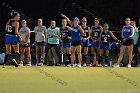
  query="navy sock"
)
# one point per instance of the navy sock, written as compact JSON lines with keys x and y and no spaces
{"x":106,"y":60}
{"x":6,"y":58}
{"x":100,"y":59}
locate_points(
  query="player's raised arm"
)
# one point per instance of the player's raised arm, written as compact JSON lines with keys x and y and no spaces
{"x":68,"y":20}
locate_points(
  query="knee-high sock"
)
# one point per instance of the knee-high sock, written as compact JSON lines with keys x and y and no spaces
{"x":100,"y":59}
{"x":106,"y":59}
{"x":6,"y":58}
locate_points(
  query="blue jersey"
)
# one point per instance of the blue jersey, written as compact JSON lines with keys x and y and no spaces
{"x":105,"y":38}
{"x":10,"y":28}
{"x":96,"y":32}
{"x":65,"y":34}
{"x":127,"y":31}
{"x":85,"y":32}
{"x":75,"y":34}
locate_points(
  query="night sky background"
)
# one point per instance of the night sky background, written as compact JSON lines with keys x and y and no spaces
{"x":112,"y":11}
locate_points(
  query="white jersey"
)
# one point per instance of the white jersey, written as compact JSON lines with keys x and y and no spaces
{"x":40,"y":33}
{"x":23,"y":32}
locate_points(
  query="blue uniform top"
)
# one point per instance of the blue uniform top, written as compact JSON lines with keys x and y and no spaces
{"x":105,"y":37}
{"x":10,"y":28}
{"x":127,"y":31}
{"x":65,"y":34}
{"x":85,"y":32}
{"x":75,"y":34}
{"x":96,"y":32}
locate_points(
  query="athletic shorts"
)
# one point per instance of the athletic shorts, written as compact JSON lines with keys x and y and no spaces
{"x":128,"y":42}
{"x":11,"y":39}
{"x":40,"y":43}
{"x":26,"y":45}
{"x":65,"y":45}
{"x":95,"y":44}
{"x":86,"y":43}
{"x":105,"y":46}
{"x":76,"y":43}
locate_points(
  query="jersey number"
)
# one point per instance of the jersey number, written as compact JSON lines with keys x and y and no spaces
{"x":105,"y":39}
{"x":9,"y":28}
{"x":95,"y":33}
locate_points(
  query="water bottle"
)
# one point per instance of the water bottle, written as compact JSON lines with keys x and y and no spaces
{"x":110,"y":62}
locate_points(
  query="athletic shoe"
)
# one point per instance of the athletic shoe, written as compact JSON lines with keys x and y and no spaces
{"x":106,"y":65}
{"x":29,"y":64}
{"x":74,"y":65}
{"x":116,"y":65}
{"x":15,"y":63}
{"x":69,"y":65}
{"x":79,"y":65}
{"x":84,"y":64}
{"x":21,"y":64}
{"x":90,"y":64}
{"x":40,"y":64}
{"x":129,"y":65}
{"x":99,"y":65}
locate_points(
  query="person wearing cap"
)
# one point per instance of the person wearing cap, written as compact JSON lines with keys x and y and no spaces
{"x":76,"y":40}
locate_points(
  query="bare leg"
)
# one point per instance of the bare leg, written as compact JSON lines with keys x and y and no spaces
{"x":122,"y":50}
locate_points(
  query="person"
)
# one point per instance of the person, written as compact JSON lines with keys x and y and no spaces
{"x":24,"y":32}
{"x":135,"y":39}
{"x":40,"y":37}
{"x":53,"y":37}
{"x":105,"y":37}
{"x":66,"y":41}
{"x":127,"y":35}
{"x":11,"y":38}
{"x":76,"y":32}
{"x":85,"y":40}
{"x":138,"y":43}
{"x":95,"y":43}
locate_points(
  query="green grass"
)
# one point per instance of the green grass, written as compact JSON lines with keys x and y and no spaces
{"x":69,"y":80}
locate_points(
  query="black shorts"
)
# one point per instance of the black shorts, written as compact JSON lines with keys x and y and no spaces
{"x":40,"y":43}
{"x":76,"y":43}
{"x":25,"y":45}
{"x":128,"y":42}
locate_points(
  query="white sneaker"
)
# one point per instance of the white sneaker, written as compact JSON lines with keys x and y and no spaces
{"x":21,"y":64}
{"x":90,"y":64}
{"x":84,"y":64}
{"x":40,"y":64}
{"x":129,"y":65}
{"x":99,"y":65}
{"x":29,"y":64}
{"x":75,"y":64}
{"x":69,"y":65}
{"x":79,"y":65}
{"x":116,"y":65}
{"x":106,"y":65}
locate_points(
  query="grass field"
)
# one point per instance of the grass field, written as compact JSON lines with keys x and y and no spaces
{"x":69,"y":80}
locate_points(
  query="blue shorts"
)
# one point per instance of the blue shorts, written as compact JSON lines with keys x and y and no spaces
{"x":105,"y":47}
{"x":65,"y":45}
{"x":86,"y":43}
{"x":138,"y":43}
{"x":11,"y":39}
{"x":95,"y":44}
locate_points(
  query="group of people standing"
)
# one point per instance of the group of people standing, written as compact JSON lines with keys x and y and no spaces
{"x":73,"y":39}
